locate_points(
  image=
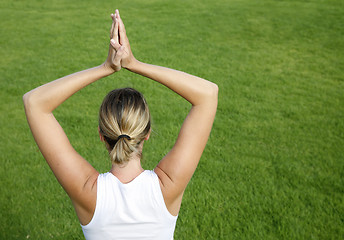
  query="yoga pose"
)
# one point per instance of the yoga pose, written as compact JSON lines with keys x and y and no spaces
{"x":128,"y":202}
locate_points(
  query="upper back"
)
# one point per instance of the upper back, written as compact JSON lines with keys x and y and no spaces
{"x":135,"y":210}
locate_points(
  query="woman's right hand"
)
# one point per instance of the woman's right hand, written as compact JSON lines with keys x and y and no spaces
{"x":119,"y":41}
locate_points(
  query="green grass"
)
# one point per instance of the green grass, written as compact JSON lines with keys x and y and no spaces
{"x":274,"y":164}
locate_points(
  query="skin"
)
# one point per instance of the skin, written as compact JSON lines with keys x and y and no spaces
{"x":75,"y":174}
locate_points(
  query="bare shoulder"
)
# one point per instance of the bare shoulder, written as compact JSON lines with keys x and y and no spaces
{"x":85,"y":205}
{"x":168,"y":190}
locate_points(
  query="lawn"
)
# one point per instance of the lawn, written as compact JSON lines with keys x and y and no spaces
{"x":274,"y":165}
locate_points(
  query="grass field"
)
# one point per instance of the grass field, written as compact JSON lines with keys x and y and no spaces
{"x":274,"y":165}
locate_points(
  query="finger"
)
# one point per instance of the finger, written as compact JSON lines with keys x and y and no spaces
{"x":121,"y":29}
{"x":118,"y":58}
{"x":115,"y":35}
{"x":121,"y":24}
{"x":115,"y":44}
{"x":112,"y":26}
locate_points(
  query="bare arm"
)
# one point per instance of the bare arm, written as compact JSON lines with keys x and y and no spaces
{"x":74,"y":173}
{"x":69,"y":168}
{"x":177,"y":167}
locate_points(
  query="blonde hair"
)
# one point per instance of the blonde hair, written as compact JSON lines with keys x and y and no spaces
{"x":124,"y":112}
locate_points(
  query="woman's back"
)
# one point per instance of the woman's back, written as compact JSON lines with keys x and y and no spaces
{"x":135,"y":210}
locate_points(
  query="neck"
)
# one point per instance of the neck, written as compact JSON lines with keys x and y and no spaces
{"x":128,"y":171}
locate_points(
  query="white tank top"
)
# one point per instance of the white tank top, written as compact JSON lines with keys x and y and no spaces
{"x":135,"y":210}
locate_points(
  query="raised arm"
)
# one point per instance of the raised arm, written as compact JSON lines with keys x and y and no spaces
{"x":74,"y":173}
{"x":177,"y":167}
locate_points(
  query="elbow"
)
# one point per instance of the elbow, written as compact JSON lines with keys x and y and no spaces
{"x":215,"y":89}
{"x":33,"y":102}
{"x":209,"y":96}
{"x":27,"y":99}
{"x":214,"y":92}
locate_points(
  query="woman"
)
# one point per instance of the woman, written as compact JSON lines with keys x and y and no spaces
{"x":127,"y":202}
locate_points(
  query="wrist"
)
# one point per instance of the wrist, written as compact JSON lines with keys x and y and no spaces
{"x":107,"y":69}
{"x":133,"y":65}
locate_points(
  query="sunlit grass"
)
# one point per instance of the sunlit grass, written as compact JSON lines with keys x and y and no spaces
{"x":274,"y":164}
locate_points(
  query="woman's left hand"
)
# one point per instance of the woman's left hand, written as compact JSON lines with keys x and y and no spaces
{"x":114,"y":58}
